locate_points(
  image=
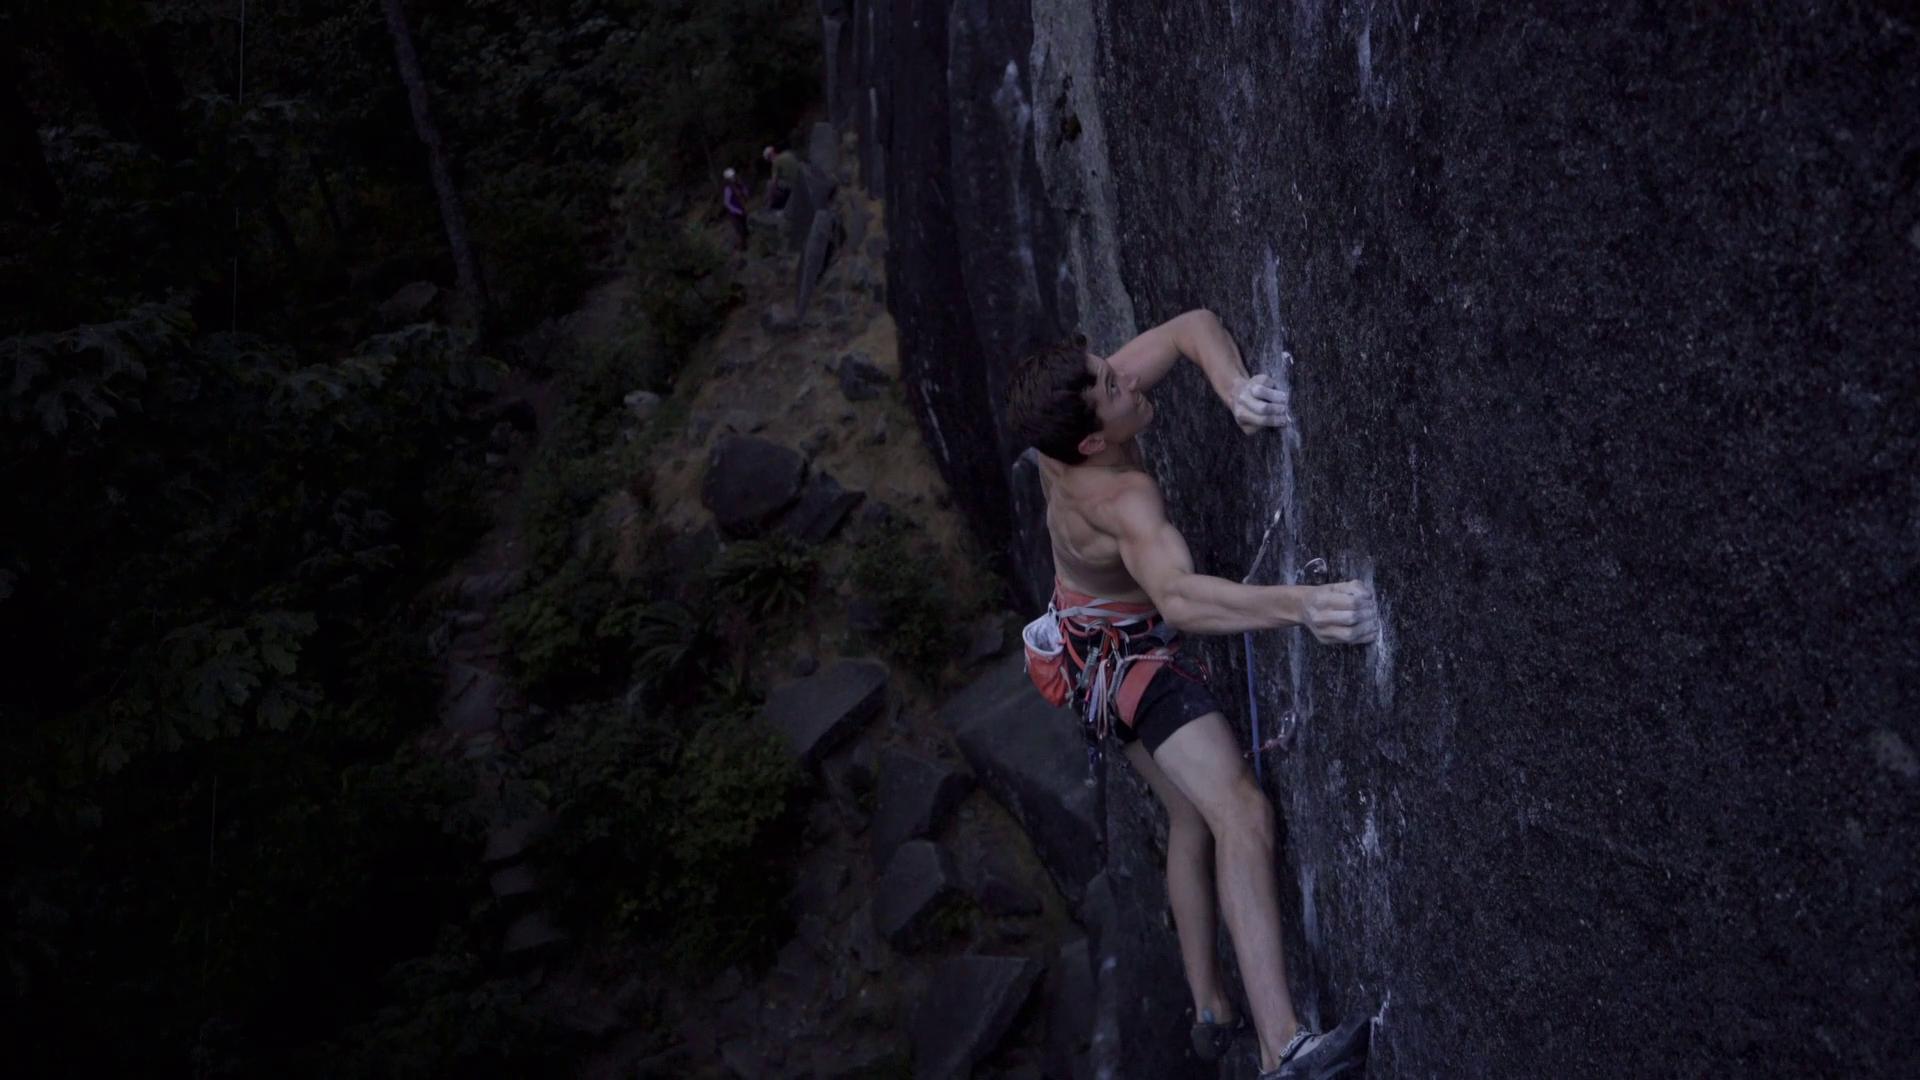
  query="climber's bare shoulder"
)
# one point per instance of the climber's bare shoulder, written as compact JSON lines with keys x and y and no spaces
{"x":1090,"y":512}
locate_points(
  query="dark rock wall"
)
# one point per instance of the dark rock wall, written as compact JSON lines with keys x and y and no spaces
{"x":1605,"y":327}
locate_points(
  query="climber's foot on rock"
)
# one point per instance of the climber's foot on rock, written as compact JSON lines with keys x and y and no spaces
{"x":1340,"y":1053}
{"x":1213,"y":1038}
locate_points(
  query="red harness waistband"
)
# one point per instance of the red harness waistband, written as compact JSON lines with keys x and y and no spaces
{"x":1139,"y":669}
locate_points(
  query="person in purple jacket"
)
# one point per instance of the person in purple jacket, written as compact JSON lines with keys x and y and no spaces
{"x":734,"y":197}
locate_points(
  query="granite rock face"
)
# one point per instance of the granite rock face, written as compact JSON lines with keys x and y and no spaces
{"x":1605,"y":378}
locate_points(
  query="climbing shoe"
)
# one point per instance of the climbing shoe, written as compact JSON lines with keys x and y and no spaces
{"x":1340,"y":1053}
{"x":1212,"y":1040}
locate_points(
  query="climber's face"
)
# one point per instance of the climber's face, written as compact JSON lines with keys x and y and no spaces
{"x":1116,"y":398}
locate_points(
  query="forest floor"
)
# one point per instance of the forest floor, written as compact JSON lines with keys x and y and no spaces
{"x":836,"y":1002}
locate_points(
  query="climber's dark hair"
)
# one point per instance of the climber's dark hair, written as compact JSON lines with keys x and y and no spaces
{"x":1046,"y":408}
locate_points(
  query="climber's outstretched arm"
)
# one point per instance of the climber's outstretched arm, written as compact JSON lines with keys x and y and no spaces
{"x":1156,"y":555}
{"x":1198,"y":335}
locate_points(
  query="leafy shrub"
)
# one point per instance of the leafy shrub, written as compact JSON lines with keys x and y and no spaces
{"x":673,"y":823}
{"x":674,"y":647}
{"x":446,"y":1019}
{"x":765,"y":576}
{"x":908,"y":584}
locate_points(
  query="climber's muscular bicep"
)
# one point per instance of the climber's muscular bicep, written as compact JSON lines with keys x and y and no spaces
{"x":1154,"y":552}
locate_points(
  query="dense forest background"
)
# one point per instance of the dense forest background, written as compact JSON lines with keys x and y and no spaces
{"x":228,"y":477}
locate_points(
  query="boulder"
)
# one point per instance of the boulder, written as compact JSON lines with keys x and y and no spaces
{"x":866,"y":1056}
{"x":969,"y":1004}
{"x":487,"y":589}
{"x":818,"y":713}
{"x":508,"y":842}
{"x":823,"y":148}
{"x":514,"y":882}
{"x":820,"y":883}
{"x":860,"y":378}
{"x":778,"y":319}
{"x":915,"y":798}
{"x":643,"y":404}
{"x":812,"y":195}
{"x":822,"y":506}
{"x":1069,"y":1003}
{"x":749,"y":481}
{"x":531,"y":936}
{"x":986,"y":639}
{"x":409,"y":303}
{"x":474,"y":699}
{"x":864,"y":939}
{"x":813,"y":258}
{"x":916,"y":890}
{"x":1031,"y":758}
{"x":999,"y":890}
{"x":744,"y":1060}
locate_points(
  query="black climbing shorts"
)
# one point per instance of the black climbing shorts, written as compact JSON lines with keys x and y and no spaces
{"x":1175,"y":696}
{"x":1171,"y":701}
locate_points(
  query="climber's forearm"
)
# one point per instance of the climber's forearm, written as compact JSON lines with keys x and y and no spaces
{"x":1199,"y":337}
{"x":1201,"y":604}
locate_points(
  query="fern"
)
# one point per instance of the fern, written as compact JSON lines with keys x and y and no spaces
{"x":765,"y":576}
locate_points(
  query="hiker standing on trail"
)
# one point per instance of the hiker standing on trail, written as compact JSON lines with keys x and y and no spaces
{"x":1125,"y":589}
{"x":785,"y":173}
{"x":734,"y":197}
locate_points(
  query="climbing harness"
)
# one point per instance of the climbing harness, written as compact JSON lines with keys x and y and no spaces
{"x":1103,"y":639}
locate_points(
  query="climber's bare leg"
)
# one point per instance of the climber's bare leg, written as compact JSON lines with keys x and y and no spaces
{"x":1190,"y":888}
{"x":1203,"y":761}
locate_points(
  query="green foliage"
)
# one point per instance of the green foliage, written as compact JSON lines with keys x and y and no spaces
{"x":907,"y":582}
{"x":674,"y":826}
{"x":560,"y":636}
{"x":672,"y":644}
{"x":765,"y":576}
{"x":447,"y":1018}
{"x":225,"y":481}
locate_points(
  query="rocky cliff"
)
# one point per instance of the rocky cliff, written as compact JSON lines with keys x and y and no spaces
{"x":1604,"y":327}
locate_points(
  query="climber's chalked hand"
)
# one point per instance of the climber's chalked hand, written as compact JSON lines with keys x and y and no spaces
{"x":1343,"y":613}
{"x":1257,"y":403}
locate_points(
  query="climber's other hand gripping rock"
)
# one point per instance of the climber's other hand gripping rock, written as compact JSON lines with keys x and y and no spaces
{"x":1258,"y":404}
{"x":1343,"y":613}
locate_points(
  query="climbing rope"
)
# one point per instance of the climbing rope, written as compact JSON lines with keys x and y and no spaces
{"x":1283,"y":731}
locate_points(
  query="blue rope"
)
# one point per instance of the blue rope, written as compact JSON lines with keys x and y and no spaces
{"x":1253,"y":711}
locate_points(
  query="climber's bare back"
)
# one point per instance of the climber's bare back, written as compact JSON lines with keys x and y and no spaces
{"x":1081,"y":520}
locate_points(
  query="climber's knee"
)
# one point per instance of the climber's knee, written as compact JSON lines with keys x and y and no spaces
{"x":1248,"y":814}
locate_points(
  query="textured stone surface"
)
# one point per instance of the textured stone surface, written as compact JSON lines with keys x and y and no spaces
{"x":823,"y":505}
{"x":1070,"y":1000}
{"x":814,"y":257}
{"x":531,"y":936}
{"x":969,"y":1004}
{"x":1030,"y":757}
{"x":916,"y":890}
{"x":914,"y":798}
{"x":860,"y":378}
{"x":818,"y":713}
{"x":1605,"y":379}
{"x":749,"y":481}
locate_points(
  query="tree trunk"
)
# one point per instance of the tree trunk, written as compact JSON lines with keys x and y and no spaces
{"x":466,"y":266}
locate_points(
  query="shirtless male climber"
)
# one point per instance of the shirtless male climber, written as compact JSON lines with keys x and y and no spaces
{"x":1125,"y":589}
